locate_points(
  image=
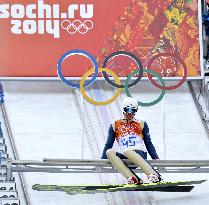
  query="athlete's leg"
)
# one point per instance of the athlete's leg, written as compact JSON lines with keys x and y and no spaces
{"x":144,"y":156}
{"x":118,"y":163}
{"x":138,"y":159}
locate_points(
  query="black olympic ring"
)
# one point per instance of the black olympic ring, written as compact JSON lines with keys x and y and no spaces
{"x":125,"y":53}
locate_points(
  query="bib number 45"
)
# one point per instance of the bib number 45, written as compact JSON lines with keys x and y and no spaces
{"x":129,"y":141}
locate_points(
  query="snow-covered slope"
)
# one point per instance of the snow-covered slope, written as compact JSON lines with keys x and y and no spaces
{"x":46,"y":121}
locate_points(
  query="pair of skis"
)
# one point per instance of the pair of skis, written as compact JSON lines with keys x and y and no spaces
{"x":180,"y":186}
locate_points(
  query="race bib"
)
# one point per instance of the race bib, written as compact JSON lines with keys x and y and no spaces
{"x":131,"y":141}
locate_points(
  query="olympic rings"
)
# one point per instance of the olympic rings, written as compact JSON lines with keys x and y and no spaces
{"x":87,"y":98}
{"x":170,"y":87}
{"x":124,"y":53}
{"x":153,"y":73}
{"x":118,"y":85}
{"x":77,"y":28}
{"x":79,"y":52}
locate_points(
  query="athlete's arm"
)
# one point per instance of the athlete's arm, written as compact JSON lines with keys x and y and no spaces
{"x":148,"y":143}
{"x":109,"y":143}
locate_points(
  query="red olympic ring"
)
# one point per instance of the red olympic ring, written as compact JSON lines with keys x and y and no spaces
{"x":169,"y":87}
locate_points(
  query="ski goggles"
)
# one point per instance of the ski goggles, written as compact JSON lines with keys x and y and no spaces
{"x":130,"y":110}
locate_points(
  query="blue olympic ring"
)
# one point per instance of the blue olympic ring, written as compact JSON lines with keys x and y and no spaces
{"x":79,"y":52}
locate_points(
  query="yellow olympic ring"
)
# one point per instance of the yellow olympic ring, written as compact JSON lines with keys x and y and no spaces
{"x":90,"y":100}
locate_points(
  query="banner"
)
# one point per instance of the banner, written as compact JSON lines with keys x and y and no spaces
{"x":36,"y":33}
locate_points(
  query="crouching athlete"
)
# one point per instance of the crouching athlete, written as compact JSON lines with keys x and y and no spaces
{"x":134,"y":141}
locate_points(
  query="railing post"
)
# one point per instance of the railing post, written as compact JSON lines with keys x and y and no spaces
{"x":9,"y":169}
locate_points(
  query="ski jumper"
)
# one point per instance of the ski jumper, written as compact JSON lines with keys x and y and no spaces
{"x":134,"y":141}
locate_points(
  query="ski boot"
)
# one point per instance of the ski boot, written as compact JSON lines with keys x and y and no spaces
{"x":134,"y":180}
{"x":154,"y":178}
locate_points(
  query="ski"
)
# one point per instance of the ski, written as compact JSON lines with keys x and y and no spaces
{"x":180,"y":186}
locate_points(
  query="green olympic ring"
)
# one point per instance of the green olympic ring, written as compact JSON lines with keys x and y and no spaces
{"x":162,"y":82}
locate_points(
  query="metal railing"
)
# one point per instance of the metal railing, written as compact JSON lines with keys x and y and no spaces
{"x":102,"y":166}
{"x":14,"y":150}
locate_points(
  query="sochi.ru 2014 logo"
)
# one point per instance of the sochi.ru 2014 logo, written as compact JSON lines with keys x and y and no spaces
{"x":42,"y":18}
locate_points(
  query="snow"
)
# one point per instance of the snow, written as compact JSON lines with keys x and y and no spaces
{"x":46,"y":122}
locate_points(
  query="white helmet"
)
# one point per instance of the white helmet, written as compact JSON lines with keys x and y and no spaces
{"x":130,"y":105}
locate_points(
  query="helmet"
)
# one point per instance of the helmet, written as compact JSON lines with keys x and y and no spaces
{"x":130,"y":105}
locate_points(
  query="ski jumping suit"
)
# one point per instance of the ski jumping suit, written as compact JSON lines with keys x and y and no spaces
{"x":134,"y":141}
